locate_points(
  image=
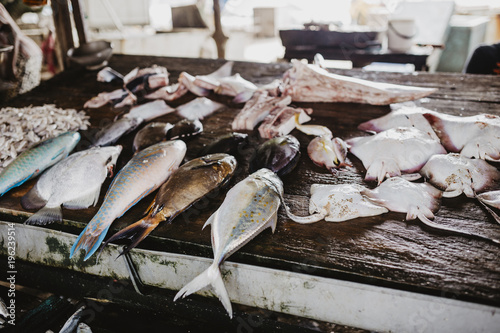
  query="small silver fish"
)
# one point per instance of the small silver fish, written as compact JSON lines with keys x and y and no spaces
{"x":35,"y":160}
{"x":249,"y":207}
{"x":75,"y":182}
{"x":112,"y":132}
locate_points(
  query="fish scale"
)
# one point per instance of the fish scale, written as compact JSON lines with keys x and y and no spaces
{"x":35,"y":160}
{"x":144,"y":173}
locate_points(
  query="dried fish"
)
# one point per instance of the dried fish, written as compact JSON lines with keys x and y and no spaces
{"x":21,"y":128}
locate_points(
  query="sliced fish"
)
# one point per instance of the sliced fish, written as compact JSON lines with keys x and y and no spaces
{"x":198,"y":108}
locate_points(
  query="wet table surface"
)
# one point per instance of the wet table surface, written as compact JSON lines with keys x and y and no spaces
{"x":384,"y":250}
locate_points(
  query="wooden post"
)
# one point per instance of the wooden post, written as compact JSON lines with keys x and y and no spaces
{"x":63,"y":27}
{"x":218,"y":35}
{"x":79,"y":18}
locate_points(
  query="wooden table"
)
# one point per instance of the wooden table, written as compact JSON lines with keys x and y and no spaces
{"x":368,"y":267}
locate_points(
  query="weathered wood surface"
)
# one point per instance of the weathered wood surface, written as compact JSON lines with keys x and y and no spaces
{"x":384,"y":250}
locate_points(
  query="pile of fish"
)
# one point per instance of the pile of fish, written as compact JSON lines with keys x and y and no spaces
{"x":21,"y":128}
{"x":451,"y":154}
{"x":412,"y":143}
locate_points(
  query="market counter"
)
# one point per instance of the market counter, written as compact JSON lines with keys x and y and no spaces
{"x":355,"y":273}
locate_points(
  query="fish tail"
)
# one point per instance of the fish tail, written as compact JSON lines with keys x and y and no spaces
{"x":45,"y":216}
{"x":136,"y":232}
{"x":212,"y":276}
{"x":89,"y":241}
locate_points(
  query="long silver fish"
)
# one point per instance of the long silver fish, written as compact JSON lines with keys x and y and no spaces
{"x":191,"y":182}
{"x":35,"y":160}
{"x":72,"y":323}
{"x":144,"y":173}
{"x":75,"y":182}
{"x":249,"y":207}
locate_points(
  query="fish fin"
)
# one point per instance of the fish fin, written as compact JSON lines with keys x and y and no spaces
{"x":33,"y":199}
{"x":45,"y":216}
{"x":485,"y":204}
{"x":210,"y":220}
{"x":89,"y":241}
{"x":85,"y":201}
{"x":273,"y":221}
{"x":438,"y":226}
{"x":136,"y":232}
{"x":213,"y":277}
{"x":19,"y":183}
{"x":60,"y":152}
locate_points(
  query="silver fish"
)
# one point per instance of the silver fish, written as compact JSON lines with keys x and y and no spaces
{"x":75,"y":182}
{"x":72,"y":323}
{"x":115,"y":130}
{"x":143,"y":174}
{"x":149,"y":111}
{"x":249,"y":207}
{"x":35,"y":160}
{"x":198,"y":108}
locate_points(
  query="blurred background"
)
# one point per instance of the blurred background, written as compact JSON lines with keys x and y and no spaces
{"x":184,"y":28}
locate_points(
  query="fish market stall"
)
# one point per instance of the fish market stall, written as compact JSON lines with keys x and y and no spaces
{"x":384,"y":273}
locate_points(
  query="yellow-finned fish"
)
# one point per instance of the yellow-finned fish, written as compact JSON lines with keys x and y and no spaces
{"x":249,"y":207}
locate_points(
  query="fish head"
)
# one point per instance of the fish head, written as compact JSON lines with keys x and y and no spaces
{"x":270,"y":178}
{"x":69,"y":140}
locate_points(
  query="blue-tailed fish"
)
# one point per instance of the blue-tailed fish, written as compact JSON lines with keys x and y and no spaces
{"x":249,"y":207}
{"x":36,"y":159}
{"x":144,"y":173}
{"x":74,"y":182}
{"x":191,"y":182}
